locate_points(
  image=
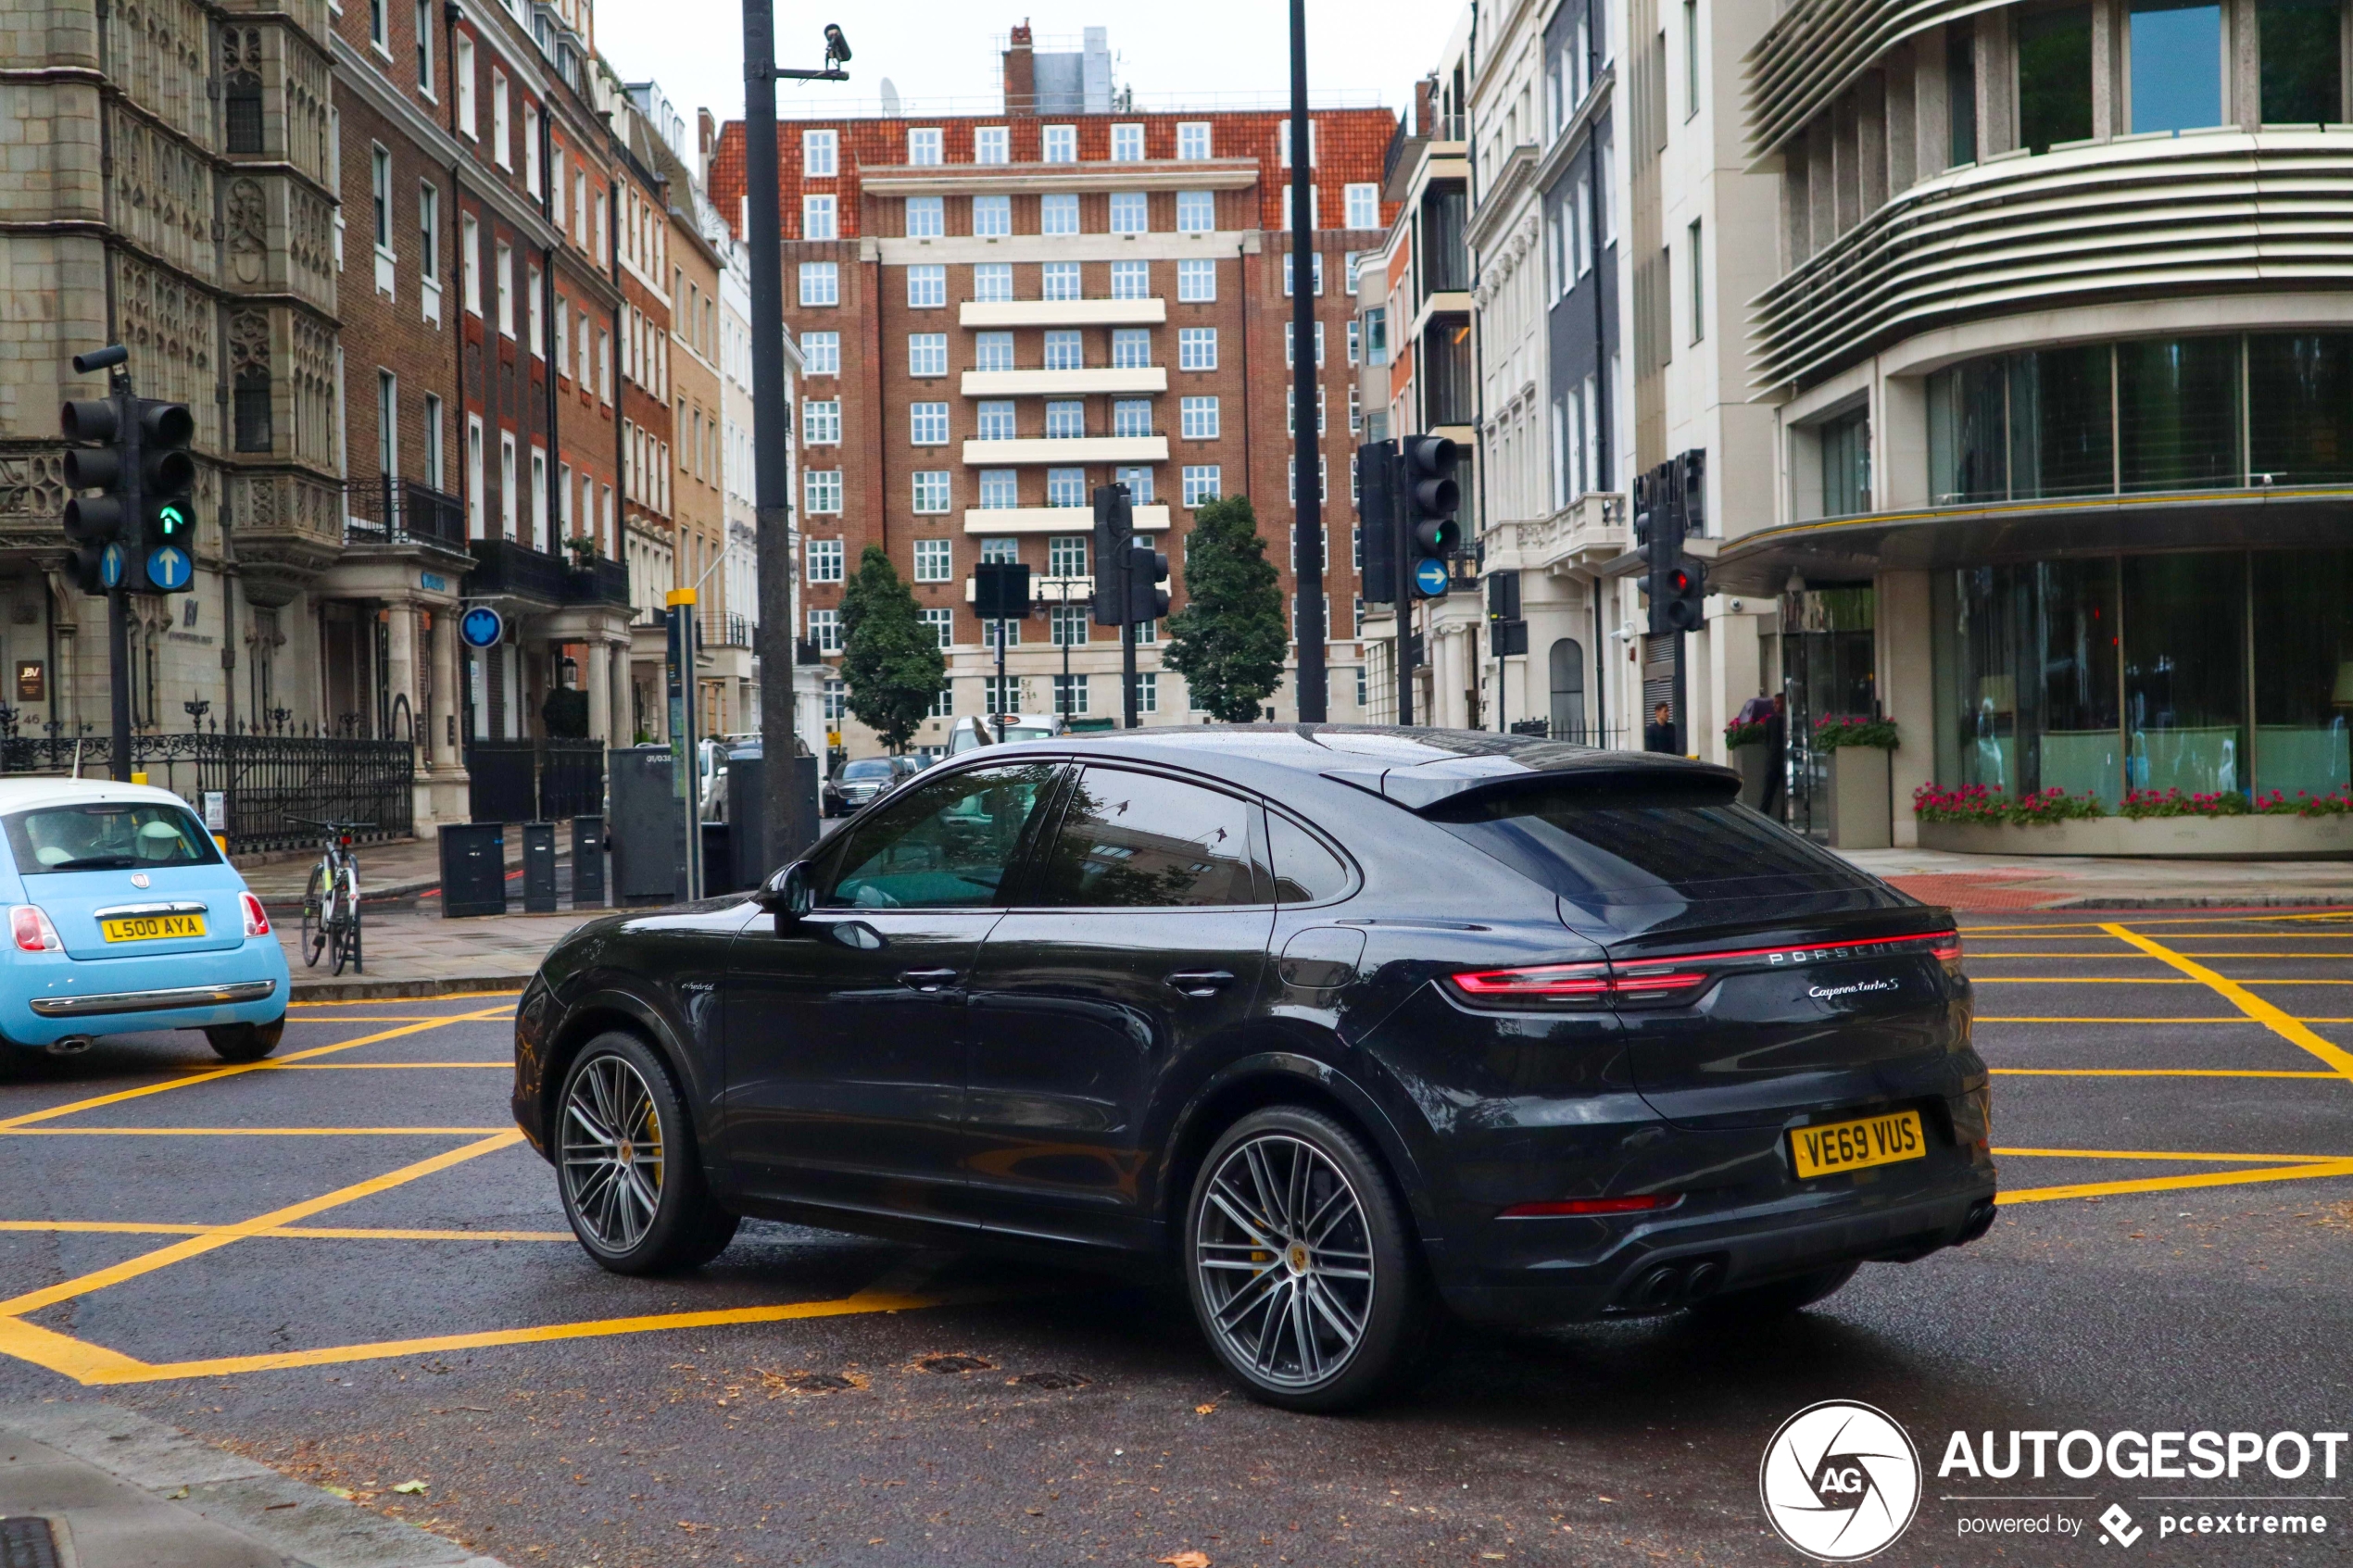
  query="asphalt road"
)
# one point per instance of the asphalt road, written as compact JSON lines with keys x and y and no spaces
{"x":342,"y":1262}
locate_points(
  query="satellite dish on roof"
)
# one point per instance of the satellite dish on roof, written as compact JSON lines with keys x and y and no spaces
{"x":890,"y":98}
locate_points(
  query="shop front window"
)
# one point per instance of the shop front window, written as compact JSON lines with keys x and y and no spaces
{"x":2027,"y":690}
{"x":2302,"y":672}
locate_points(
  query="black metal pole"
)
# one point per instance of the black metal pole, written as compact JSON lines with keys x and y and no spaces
{"x":784,"y":810}
{"x":118,"y":597}
{"x":1128,"y":673}
{"x":1307,"y":490}
{"x":1407,"y":593}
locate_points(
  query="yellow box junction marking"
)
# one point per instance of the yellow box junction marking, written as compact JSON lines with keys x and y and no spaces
{"x":2236,"y":993}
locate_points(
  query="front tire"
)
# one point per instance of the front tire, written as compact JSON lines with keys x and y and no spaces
{"x":627,"y":1166}
{"x":1301,"y":1265}
{"x":245,"y":1042}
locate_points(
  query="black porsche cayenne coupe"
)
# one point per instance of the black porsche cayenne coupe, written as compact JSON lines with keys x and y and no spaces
{"x":1349,"y":1026}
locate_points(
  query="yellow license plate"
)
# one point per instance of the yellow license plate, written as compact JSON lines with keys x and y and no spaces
{"x":151,"y":928}
{"x":1852,"y":1146}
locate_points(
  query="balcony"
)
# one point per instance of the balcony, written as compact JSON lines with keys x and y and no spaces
{"x":509,"y":568}
{"x":1066,"y":450}
{"x":1053,"y":520}
{"x":1070,"y":383}
{"x":394,"y":511}
{"x":1062,"y":313}
{"x":600,"y":582}
{"x":1587,"y":531}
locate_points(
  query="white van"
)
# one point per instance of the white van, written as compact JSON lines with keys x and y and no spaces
{"x":971,"y":733}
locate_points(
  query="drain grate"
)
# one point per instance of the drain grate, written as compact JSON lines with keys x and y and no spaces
{"x":27,"y":1541}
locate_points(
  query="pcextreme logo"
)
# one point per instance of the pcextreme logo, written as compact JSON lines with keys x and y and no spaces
{"x":1840,"y":1481}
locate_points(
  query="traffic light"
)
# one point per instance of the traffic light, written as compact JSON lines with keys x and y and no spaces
{"x":1147,"y":570}
{"x":1686,"y":585}
{"x":98,"y":525}
{"x":1377,"y":519}
{"x":1115,"y":525}
{"x":1427,"y":476}
{"x":165,"y":556}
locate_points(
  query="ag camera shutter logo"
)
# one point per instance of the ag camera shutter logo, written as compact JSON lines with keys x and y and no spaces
{"x":1840,"y":1481}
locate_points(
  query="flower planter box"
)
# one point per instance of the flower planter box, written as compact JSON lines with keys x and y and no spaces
{"x":1860,"y":814}
{"x":1754,"y":765}
{"x":2251,"y":837}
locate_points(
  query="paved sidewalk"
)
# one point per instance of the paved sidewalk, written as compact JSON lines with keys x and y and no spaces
{"x":2059,"y":882}
{"x":415,"y":952}
{"x":402,"y":869}
{"x":121,"y":1492}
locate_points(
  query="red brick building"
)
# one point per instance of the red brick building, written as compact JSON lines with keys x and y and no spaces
{"x":998,"y":312}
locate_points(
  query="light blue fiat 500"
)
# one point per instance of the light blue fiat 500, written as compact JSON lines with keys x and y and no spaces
{"x":123,"y":915}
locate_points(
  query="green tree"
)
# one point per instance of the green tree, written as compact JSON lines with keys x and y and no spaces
{"x":890,"y":660}
{"x":1229,"y":640}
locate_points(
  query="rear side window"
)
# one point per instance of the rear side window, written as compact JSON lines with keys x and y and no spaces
{"x":1600,"y":849}
{"x":106,"y":836}
{"x":1306,"y":872}
{"x":1138,"y":840}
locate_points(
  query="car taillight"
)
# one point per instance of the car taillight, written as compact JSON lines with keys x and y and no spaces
{"x":1571,"y":984}
{"x":257,"y":918}
{"x":1571,"y":1208}
{"x":1946,"y":946}
{"x":31,"y":927}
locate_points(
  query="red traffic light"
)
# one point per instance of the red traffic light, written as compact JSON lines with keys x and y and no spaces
{"x":1679,"y":581}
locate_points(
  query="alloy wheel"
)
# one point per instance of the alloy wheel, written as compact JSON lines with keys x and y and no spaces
{"x":1285,"y":1260}
{"x":612,"y":1153}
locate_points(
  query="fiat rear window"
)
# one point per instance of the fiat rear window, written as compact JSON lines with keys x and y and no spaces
{"x":108,"y":836}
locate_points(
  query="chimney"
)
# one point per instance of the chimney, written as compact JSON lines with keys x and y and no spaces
{"x":1021,"y":72}
{"x":1422,"y":106}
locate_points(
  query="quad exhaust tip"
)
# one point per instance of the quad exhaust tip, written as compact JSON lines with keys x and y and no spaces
{"x":72,"y":1045}
{"x":1674,"y":1284}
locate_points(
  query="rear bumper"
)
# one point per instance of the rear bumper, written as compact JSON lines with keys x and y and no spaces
{"x":107,"y":1004}
{"x":46,"y":997}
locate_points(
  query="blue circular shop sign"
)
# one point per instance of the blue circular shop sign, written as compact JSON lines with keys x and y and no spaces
{"x":1432,"y":577}
{"x":111,"y":566}
{"x":482,"y":627}
{"x":170,"y":568}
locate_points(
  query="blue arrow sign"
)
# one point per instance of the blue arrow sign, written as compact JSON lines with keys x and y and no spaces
{"x":111,"y":566}
{"x":170,"y":569}
{"x":482,"y":627}
{"x":1430,"y":578}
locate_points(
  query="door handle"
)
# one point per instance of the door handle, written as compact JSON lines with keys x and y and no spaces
{"x":1201,"y":982}
{"x":926,"y":979}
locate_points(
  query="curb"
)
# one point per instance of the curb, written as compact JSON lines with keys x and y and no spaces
{"x":143,"y":1493}
{"x":2197,"y":901}
{"x":375,"y":990}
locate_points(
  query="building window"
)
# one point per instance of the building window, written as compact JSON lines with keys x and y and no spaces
{"x":820,"y":283}
{"x":992,"y":144}
{"x":434,"y":475}
{"x":470,"y":262}
{"x":464,"y":48}
{"x":502,"y":141}
{"x":1322,"y":493}
{"x":2176,"y":57}
{"x":825,"y":630}
{"x":1128,"y":215}
{"x":995,"y":419}
{"x":1290,"y":410}
{"x":1131,"y":279}
{"x":380,"y":196}
{"x":1355,"y":346}
{"x":1059,"y":143}
{"x":1066,"y":487}
{"x":1066,"y":418}
{"x":1131,"y":348}
{"x":1131,"y":416}
{"x":1127,"y":143}
{"x":1197,"y":349}
{"x":821,"y":353}
{"x":818,"y":150}
{"x":824,"y":560}
{"x":1058,"y":214}
{"x":992,"y":217}
{"x":604,"y":366}
{"x":1363,"y":206}
{"x":2299,"y":45}
{"x":1200,"y":419}
{"x":1067,"y":555}
{"x":1066,"y":627}
{"x":1196,"y":283}
{"x":1282,"y":142}
{"x":1065,"y":350}
{"x":1000,"y":489}
{"x":924,"y":219}
{"x":992,"y":351}
{"x":1314,"y":271}
{"x":1193,"y":139}
{"x":1289,"y":359}
{"x":999,"y":550}
{"x":993,"y":282}
{"x":2054,"y":50}
{"x":1376,"y":336}
{"x":927,"y":354}
{"x":928,"y":423}
{"x":428,"y":234}
{"x":822,"y":492}
{"x":1846,"y":464}
{"x":931,"y":491}
{"x":504,"y":278}
{"x":923,"y":147}
{"x":1960,"y":90}
{"x":507,"y":485}
{"x":1139,"y":481}
{"x":1200,"y":483}
{"x":1060,"y":280}
{"x":530,"y":148}
{"x":1691,"y":59}
{"x":423,"y":32}
{"x":242,"y":103}
{"x":935,"y":561}
{"x":1196,"y":212}
{"x":1147,"y":682}
{"x":820,"y":421}
{"x":819,"y":219}
{"x":837,"y":691}
{"x":1699,"y":282}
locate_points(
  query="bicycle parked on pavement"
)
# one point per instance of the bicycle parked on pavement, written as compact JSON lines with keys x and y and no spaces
{"x":331,"y":901}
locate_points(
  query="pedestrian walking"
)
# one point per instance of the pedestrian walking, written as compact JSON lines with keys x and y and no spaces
{"x":1659,"y":734}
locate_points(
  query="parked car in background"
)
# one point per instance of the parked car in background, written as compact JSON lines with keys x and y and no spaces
{"x":124,"y":916}
{"x":970,"y":733}
{"x":867,"y":779}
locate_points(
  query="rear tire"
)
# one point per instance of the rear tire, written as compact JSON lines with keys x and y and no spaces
{"x":245,"y":1042}
{"x":1301,"y":1264}
{"x":1779,"y":1300}
{"x":627,"y":1167}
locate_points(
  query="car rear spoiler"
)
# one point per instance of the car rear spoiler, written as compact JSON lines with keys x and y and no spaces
{"x":1459,"y":782}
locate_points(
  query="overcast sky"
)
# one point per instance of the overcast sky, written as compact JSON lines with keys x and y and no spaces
{"x":1371,"y":50}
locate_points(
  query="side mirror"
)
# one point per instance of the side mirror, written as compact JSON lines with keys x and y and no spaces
{"x":785,"y":895}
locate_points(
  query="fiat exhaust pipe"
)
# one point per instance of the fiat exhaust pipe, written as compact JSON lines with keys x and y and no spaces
{"x":72,"y":1045}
